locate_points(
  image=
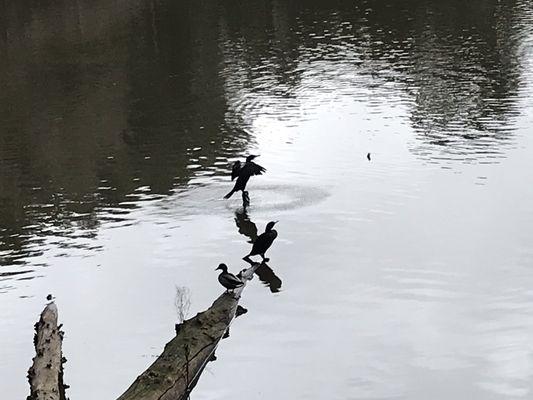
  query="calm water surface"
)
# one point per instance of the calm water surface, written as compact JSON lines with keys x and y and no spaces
{"x":409,"y":276}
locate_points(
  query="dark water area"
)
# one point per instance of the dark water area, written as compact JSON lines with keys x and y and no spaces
{"x":405,"y":275}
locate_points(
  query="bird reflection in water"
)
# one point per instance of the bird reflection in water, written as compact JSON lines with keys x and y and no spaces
{"x":245,"y":226}
{"x":264,"y":272}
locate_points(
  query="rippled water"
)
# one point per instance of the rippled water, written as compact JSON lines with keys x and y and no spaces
{"x":404,"y":276}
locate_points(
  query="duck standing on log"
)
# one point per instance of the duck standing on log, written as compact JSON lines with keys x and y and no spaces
{"x":263,"y":242}
{"x":227,"y":279}
{"x":243,"y":174}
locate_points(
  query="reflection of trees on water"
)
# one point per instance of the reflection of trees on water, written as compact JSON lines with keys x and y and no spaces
{"x":99,"y":101}
{"x":466,"y":72}
{"x":458,"y":64}
{"x":107,"y":102}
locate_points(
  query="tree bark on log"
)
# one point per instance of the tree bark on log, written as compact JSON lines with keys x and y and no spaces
{"x":175,"y":372}
{"x":46,"y":374}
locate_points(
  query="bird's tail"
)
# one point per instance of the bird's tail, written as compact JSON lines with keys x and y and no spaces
{"x":229,"y":194}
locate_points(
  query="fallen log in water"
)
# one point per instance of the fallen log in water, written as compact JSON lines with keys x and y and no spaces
{"x":171,"y":377}
{"x":46,"y":374}
{"x":175,"y":372}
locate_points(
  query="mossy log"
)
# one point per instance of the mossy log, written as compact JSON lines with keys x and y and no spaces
{"x":46,"y":374}
{"x":175,"y":372}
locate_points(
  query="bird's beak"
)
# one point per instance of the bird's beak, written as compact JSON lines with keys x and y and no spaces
{"x":275,"y":222}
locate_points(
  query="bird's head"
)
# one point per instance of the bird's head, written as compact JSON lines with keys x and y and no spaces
{"x":223,"y":267}
{"x":251,"y":157}
{"x":270,"y":225}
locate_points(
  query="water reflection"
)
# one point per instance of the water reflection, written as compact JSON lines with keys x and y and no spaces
{"x":269,"y":277}
{"x":456,"y":68}
{"x":245,"y":225}
{"x":97,"y":106}
{"x":247,"y":228}
{"x":89,"y":116}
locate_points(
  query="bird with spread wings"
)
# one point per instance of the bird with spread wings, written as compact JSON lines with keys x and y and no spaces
{"x":243,"y":173}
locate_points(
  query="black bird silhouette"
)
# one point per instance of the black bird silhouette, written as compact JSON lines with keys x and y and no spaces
{"x":243,"y":174}
{"x":263,"y":242}
{"x":227,"y":279}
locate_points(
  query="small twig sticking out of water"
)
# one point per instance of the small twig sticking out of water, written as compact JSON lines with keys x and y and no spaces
{"x":182,"y":302}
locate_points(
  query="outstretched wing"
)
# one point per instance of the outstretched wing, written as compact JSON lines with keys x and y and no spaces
{"x":235,"y":170}
{"x":256,"y":169}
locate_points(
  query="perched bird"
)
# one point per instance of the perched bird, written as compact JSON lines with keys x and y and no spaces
{"x":243,"y":174}
{"x":227,"y":279}
{"x":263,"y":242}
{"x":368,"y":157}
